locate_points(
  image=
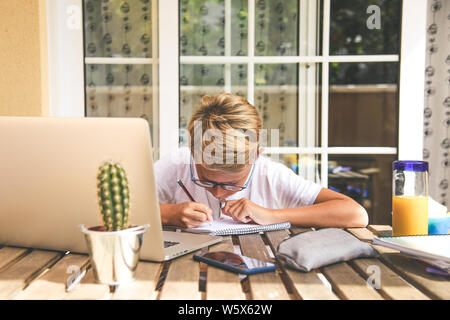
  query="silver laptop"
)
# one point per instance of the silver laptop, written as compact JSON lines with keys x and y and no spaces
{"x":48,"y":187}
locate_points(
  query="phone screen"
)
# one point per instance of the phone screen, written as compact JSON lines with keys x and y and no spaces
{"x":236,"y":262}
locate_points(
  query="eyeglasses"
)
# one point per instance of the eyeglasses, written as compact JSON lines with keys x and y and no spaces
{"x":224,"y":186}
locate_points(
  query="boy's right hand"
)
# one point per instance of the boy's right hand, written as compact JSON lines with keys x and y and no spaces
{"x":190,"y":214}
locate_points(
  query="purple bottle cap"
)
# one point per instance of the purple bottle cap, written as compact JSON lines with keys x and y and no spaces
{"x":410,"y":165}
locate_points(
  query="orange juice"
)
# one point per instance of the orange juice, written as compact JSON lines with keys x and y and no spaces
{"x":410,"y":215}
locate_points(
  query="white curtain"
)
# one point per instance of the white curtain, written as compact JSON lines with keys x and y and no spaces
{"x":437,"y":99}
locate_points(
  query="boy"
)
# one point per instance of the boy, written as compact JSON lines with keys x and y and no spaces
{"x":226,"y":175}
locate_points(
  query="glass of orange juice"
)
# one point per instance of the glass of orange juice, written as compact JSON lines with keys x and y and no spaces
{"x":410,"y":198}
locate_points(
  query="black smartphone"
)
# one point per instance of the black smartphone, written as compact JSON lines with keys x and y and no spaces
{"x":234,"y":262}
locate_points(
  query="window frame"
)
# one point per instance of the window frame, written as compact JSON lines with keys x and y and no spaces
{"x":168,"y":59}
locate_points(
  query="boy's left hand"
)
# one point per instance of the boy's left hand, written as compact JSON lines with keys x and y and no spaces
{"x":244,"y":210}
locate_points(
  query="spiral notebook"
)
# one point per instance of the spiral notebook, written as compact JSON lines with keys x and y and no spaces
{"x":230,"y":227}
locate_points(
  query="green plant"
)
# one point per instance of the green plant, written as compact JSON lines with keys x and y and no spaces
{"x":113,"y":194}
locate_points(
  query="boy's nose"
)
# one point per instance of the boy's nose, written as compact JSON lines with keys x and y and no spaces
{"x":218,"y":192}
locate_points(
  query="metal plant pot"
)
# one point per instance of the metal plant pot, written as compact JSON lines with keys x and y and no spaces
{"x":114,"y":255}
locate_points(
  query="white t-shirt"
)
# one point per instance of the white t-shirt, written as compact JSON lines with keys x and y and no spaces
{"x":273,"y":185}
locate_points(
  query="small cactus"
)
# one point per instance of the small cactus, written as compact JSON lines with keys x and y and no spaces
{"x":113,"y":194}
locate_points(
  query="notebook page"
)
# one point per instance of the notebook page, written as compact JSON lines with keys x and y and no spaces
{"x":439,"y":245}
{"x":429,"y":247}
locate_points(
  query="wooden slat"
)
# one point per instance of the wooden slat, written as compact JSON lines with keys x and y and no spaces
{"x":15,"y":277}
{"x":8,"y":255}
{"x":263,"y":286}
{"x":384,"y":231}
{"x":182,"y":281}
{"x":367,"y":236}
{"x":345,"y":271}
{"x":144,"y":288}
{"x":52,"y":285}
{"x":276,"y":237}
{"x":221,"y":284}
{"x":296,"y":230}
{"x":434,"y":286}
{"x":88,"y":289}
{"x":203,"y":275}
{"x":307,"y":286}
{"x":381,"y":230}
{"x":392,"y":285}
{"x":361,"y":233}
{"x":348,"y":284}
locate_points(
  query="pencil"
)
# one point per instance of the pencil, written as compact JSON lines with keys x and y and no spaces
{"x":186,"y":191}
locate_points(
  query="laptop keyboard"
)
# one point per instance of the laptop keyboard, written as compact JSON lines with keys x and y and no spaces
{"x":170,"y":243}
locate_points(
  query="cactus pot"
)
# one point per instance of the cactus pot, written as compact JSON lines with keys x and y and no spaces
{"x":114,"y":255}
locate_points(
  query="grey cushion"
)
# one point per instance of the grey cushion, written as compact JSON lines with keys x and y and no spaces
{"x":315,"y":249}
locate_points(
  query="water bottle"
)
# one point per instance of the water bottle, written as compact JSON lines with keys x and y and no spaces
{"x":410,"y":198}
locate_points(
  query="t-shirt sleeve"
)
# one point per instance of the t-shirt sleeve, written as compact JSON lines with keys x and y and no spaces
{"x":292,"y":190}
{"x":165,"y":173}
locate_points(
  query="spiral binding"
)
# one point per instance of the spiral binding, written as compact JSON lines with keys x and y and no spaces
{"x":254,"y":229}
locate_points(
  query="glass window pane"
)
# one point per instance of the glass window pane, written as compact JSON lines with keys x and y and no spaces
{"x":289,"y":160}
{"x":363,"y":107}
{"x":202,"y":28}
{"x":119,"y":91}
{"x":197,"y":80}
{"x":365,"y":27}
{"x":115,"y":90}
{"x":117,"y":75}
{"x":238,"y":79}
{"x":310,"y":166}
{"x":363,"y":73}
{"x":276,"y":27}
{"x":200,"y":75}
{"x":118,"y":28}
{"x":276,"y":97}
{"x":239,"y":27}
{"x":305,"y":165}
{"x":366,"y":179}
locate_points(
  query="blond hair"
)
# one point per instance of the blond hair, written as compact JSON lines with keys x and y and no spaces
{"x":227,"y":126}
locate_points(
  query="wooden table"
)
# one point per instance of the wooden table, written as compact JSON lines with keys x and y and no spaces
{"x":39,"y":274}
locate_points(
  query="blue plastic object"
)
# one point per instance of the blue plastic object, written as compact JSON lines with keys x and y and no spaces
{"x":334,"y":189}
{"x":416,"y":166}
{"x":438,"y":225}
